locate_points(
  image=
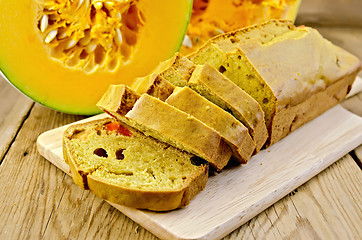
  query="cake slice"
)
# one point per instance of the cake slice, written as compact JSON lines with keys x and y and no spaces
{"x":160,"y":120}
{"x":215,"y":87}
{"x":236,"y":67}
{"x":123,"y":166}
{"x":177,"y":70}
{"x":168,"y":74}
{"x":154,"y":85}
{"x":235,"y":134}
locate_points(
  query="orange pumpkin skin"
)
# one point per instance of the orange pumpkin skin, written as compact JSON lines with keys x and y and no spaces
{"x":27,"y":62}
{"x":213,"y":17}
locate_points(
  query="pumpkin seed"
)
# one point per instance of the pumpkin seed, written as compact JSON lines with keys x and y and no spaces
{"x":119,"y":16}
{"x":71,"y":43}
{"x":85,"y":40}
{"x":109,"y":5}
{"x":90,"y":45}
{"x":98,"y":5}
{"x":187,"y":41}
{"x":80,"y":4}
{"x":62,"y":34}
{"x":51,"y":35}
{"x":44,"y":23}
{"x":119,"y":36}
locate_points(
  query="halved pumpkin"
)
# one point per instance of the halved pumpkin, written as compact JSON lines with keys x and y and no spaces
{"x":64,"y":54}
{"x":213,"y":17}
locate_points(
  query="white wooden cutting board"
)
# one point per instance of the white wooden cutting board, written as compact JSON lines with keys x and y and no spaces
{"x":236,"y":195}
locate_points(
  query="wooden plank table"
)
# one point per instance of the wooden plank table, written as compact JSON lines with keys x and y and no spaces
{"x":39,"y":201}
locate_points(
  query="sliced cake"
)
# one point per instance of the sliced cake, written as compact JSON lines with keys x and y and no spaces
{"x":160,"y":120}
{"x":154,"y":85}
{"x":237,"y":68}
{"x":123,"y":166}
{"x":234,"y":133}
{"x":283,"y":67}
{"x":215,"y":87}
{"x":168,"y":74}
{"x":177,"y":70}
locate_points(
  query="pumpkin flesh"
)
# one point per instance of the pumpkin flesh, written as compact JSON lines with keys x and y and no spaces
{"x":61,"y":74}
{"x":213,"y":17}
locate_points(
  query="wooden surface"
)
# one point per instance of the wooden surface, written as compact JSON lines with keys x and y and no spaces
{"x":237,"y":194}
{"x":39,"y":201}
{"x":331,"y":12}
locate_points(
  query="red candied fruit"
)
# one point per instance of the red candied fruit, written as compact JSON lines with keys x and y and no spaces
{"x":117,"y":127}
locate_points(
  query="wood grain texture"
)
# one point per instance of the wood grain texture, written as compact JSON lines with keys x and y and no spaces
{"x":39,"y":201}
{"x":13,"y":111}
{"x":331,"y":13}
{"x":312,"y":211}
{"x":352,"y":104}
{"x":62,"y":196}
{"x":357,"y":155}
{"x":238,"y":194}
{"x":29,"y":180}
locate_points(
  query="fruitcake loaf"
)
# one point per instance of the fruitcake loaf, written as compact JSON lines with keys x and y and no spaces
{"x":283,"y":67}
{"x":123,"y":166}
{"x":234,"y":133}
{"x":160,"y":120}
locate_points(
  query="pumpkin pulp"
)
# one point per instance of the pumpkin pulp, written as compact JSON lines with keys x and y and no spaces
{"x":214,"y":17}
{"x":65,"y":54}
